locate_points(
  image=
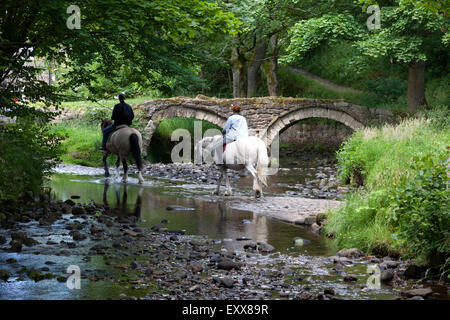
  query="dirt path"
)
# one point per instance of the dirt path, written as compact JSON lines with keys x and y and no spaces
{"x":326,"y":83}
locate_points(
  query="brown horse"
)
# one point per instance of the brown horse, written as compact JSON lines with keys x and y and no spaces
{"x":122,"y":142}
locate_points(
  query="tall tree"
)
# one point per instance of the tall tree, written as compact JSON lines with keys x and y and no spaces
{"x":409,"y":36}
{"x":260,"y":38}
{"x":152,"y":38}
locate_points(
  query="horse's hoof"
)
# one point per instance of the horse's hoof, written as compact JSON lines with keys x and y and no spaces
{"x":226,"y":194}
{"x":215,"y":193}
{"x":141,"y":181}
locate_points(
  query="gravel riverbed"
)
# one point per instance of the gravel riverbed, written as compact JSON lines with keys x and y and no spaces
{"x":159,"y":263}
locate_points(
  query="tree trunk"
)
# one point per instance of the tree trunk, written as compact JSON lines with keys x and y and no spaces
{"x":253,"y":66}
{"x":237,"y":68}
{"x":270,"y":67}
{"x":416,"y":86}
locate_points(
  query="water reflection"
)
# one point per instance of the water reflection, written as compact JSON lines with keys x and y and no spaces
{"x":123,"y":207}
{"x":215,"y":220}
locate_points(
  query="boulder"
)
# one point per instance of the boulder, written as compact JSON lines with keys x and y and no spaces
{"x":16,"y":246}
{"x":350,"y":253}
{"x":350,"y":278}
{"x":226,"y":264}
{"x":387,"y":276}
{"x":422,"y":292}
{"x":265,"y":247}
{"x":77,"y":211}
{"x":4,"y":275}
{"x":227,"y":282}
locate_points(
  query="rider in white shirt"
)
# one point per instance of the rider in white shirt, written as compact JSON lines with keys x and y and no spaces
{"x":235,"y":128}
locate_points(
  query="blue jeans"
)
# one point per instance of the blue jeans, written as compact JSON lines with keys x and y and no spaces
{"x":106,"y":132}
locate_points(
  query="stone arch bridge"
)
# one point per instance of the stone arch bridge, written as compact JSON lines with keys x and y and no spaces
{"x":266,"y":116}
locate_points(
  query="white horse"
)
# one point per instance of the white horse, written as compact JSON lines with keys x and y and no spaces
{"x":246,"y":153}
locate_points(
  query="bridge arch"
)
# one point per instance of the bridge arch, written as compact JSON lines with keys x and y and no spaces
{"x":287,"y":119}
{"x":180,"y":111}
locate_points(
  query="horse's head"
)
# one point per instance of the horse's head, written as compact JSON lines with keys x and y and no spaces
{"x":105,"y":123}
{"x":204,"y":148}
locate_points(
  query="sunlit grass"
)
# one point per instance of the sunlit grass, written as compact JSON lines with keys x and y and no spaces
{"x":82,"y":143}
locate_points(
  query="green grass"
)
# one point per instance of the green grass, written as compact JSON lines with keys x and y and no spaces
{"x":74,"y":105}
{"x":391,"y":159}
{"x":81,"y":143}
{"x":297,"y":85}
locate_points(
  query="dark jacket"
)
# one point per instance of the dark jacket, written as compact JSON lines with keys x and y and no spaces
{"x":122,"y":114}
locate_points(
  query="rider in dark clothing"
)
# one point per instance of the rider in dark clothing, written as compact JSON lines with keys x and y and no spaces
{"x":122,"y":114}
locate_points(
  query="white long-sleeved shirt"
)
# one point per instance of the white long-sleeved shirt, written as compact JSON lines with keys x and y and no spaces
{"x":236,"y":127}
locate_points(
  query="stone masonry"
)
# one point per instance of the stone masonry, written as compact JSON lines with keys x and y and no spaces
{"x":266,"y":116}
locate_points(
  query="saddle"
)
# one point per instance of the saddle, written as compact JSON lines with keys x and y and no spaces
{"x":122,"y":126}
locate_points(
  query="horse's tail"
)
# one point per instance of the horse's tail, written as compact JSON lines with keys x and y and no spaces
{"x":262,"y":164}
{"x":136,"y":150}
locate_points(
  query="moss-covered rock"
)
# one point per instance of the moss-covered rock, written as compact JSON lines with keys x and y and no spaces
{"x":4,"y":275}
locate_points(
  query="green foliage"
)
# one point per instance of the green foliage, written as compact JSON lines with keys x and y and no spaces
{"x":361,"y":222}
{"x":421,"y":209}
{"x":95,"y":116}
{"x":136,"y":43}
{"x":387,"y":90}
{"x":439,"y":117}
{"x":408,"y":34}
{"x":435,"y":6}
{"x":405,"y":189}
{"x":28,"y":152}
{"x":308,"y":35}
{"x":438,"y":91}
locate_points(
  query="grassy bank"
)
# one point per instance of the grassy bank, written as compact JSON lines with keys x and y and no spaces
{"x":81,"y":143}
{"x":403,"y":207}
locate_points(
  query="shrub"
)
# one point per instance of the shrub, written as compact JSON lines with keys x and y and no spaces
{"x":421,"y":212}
{"x":28,"y":152}
{"x":96,"y":115}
